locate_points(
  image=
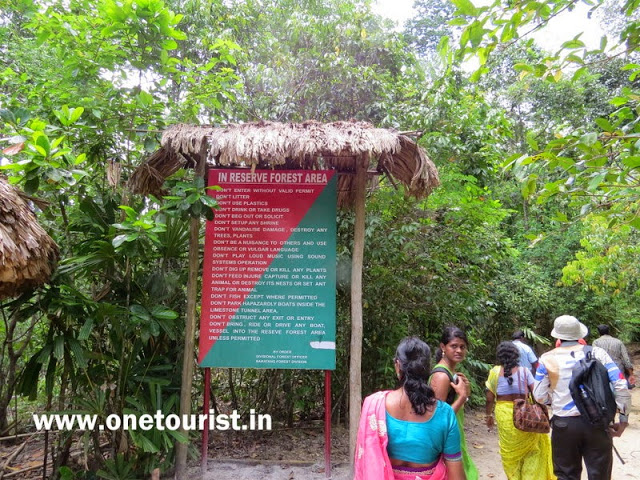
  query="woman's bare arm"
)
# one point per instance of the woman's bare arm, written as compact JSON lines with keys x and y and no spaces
{"x":441,"y":385}
{"x":455,"y":470}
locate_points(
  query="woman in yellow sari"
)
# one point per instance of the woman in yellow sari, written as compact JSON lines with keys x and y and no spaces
{"x":525,"y":456}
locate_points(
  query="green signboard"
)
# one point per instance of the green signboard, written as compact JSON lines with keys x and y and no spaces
{"x":268,"y":294}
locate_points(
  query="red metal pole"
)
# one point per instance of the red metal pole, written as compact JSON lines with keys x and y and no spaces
{"x":205,"y":431}
{"x":327,"y":423}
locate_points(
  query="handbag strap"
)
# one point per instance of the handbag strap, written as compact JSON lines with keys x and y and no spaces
{"x":527,"y":391}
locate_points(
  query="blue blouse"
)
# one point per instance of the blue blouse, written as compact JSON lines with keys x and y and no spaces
{"x":521,"y":379}
{"x":424,"y":442}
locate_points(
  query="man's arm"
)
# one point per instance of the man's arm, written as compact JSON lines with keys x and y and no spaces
{"x":616,"y":378}
{"x":541,"y":391}
{"x":531,"y":356}
{"x":626,"y":361}
{"x":627,"y":365}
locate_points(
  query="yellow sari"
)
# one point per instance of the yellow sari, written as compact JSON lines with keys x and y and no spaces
{"x":525,"y":455}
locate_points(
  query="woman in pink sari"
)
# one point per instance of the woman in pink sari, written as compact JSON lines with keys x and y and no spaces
{"x":407,"y":434}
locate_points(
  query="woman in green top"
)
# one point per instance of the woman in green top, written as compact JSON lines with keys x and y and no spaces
{"x":447,"y":383}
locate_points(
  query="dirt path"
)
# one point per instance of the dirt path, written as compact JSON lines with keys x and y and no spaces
{"x":483,"y":446}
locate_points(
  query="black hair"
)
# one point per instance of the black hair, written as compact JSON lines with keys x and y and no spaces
{"x":451,"y":332}
{"x":448,"y":334}
{"x":517,"y":334}
{"x":508,"y":356}
{"x":603,"y":329}
{"x":414,"y":359}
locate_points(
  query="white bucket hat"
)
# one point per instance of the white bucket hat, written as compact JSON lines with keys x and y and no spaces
{"x":567,"y":327}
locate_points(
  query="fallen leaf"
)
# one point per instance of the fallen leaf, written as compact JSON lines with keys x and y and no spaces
{"x":13,"y":149}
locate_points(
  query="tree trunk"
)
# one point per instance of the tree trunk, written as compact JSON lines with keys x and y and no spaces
{"x":355,"y":361}
{"x":11,"y":355}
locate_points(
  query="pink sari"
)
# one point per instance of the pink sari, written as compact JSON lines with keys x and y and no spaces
{"x":371,"y":459}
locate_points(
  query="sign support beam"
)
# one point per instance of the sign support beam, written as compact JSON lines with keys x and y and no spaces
{"x":355,"y":361}
{"x":205,"y":432}
{"x":190,"y":326}
{"x":327,"y":423}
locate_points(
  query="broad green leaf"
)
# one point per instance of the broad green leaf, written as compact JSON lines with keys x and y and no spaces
{"x":528,"y":188}
{"x":604,"y":124}
{"x":596,"y":181}
{"x":478,"y":73}
{"x":179,"y":436}
{"x":631,"y":161}
{"x":581,"y":72}
{"x":169,"y":44}
{"x":572,"y":44}
{"x":603,"y":42}
{"x":618,"y":101}
{"x":78,"y":352}
{"x":209,"y":201}
{"x":589,"y":139}
{"x":560,"y":217}
{"x":131,"y":213}
{"x":76,"y":113}
{"x":465,"y":7}
{"x":145,"y":98}
{"x":119,"y":240}
{"x":58,"y":347}
{"x":575,"y":59}
{"x":146,"y":444}
{"x":531,"y":141}
{"x":85,"y":330}
{"x":178,"y":34}
{"x":163,"y":313}
{"x":43,"y":142}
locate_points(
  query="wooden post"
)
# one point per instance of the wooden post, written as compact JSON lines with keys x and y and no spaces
{"x":204,"y":457}
{"x":327,"y":423}
{"x":190,"y":326}
{"x":355,"y":361}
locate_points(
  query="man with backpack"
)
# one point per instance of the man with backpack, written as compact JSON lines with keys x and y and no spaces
{"x":582,"y":429}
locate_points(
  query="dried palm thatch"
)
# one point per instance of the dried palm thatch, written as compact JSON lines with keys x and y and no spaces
{"x":28,"y":255}
{"x":309,"y":145}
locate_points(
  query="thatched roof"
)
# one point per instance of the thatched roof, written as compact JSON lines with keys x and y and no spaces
{"x":27,"y":254}
{"x":309,"y":145}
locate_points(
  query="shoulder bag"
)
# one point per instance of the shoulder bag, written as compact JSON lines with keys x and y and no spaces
{"x":529,"y":415}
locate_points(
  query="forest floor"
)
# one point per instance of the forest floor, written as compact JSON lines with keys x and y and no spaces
{"x":278,"y":457}
{"x":298,"y":453}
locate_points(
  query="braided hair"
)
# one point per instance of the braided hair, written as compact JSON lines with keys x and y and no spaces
{"x":508,"y":356}
{"x":414,"y":361}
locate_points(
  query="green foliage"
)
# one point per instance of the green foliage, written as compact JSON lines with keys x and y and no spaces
{"x":531,"y":142}
{"x":427,"y":265}
{"x":118,"y":469}
{"x":429,"y":26}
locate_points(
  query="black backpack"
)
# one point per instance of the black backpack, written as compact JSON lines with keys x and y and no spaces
{"x":591,"y":390}
{"x":451,"y":395}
